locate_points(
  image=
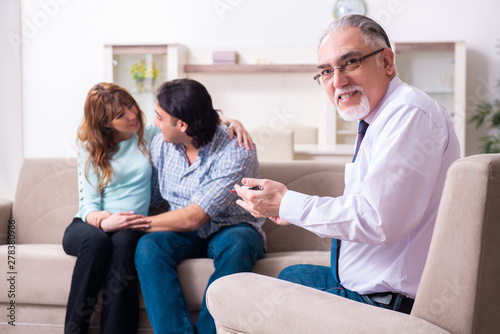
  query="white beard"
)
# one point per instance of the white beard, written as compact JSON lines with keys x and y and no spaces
{"x":353,"y":113}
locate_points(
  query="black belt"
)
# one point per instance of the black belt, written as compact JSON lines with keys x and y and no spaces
{"x":393,"y":301}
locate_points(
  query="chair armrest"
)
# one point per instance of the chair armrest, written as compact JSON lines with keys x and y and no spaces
{"x":251,"y":303}
{"x":5,"y":216}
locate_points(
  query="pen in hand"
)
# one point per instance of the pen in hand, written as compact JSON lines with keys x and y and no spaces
{"x":247,"y":187}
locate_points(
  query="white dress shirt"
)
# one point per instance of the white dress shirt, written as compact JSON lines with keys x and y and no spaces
{"x":386,"y":216}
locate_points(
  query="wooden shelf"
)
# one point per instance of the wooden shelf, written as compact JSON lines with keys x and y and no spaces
{"x":347,"y":132}
{"x":425,"y":47}
{"x":139,"y":49}
{"x":237,"y":68}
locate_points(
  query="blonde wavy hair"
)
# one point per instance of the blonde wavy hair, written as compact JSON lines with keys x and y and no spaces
{"x":103,"y":104}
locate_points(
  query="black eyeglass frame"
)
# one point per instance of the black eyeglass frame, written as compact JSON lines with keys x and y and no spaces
{"x":341,"y":68}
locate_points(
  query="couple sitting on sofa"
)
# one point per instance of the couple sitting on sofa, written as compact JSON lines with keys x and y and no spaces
{"x":123,"y":167}
{"x":382,"y":225}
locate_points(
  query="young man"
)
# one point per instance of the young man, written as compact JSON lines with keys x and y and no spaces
{"x":382,"y":225}
{"x":195,"y":165}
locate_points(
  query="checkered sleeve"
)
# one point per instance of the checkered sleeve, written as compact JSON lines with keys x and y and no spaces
{"x":214,"y":195}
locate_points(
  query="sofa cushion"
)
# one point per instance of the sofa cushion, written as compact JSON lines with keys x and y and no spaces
{"x":46,"y":200}
{"x":43,"y":274}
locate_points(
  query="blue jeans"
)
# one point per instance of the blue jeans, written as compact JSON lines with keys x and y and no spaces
{"x":322,"y":278}
{"x":318,"y":277}
{"x":234,"y":249}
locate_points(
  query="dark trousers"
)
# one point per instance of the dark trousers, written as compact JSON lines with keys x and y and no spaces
{"x":104,"y":261}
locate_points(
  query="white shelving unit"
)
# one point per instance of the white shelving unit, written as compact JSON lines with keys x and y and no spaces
{"x":439,"y":69}
{"x":119,"y":59}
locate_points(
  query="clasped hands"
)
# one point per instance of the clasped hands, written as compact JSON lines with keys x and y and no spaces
{"x":264,"y":202}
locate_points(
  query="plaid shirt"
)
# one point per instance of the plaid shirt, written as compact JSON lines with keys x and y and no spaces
{"x":219,"y":166}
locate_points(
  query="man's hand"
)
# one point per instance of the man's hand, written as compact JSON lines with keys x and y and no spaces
{"x":279,"y":221}
{"x":187,"y":219}
{"x":261,"y":203}
{"x":124,"y":220}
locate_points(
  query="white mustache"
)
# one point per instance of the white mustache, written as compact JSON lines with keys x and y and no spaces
{"x":348,"y":89}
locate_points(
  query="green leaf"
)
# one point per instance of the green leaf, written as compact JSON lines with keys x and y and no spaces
{"x":482,"y":111}
{"x":495,"y":119}
{"x":491,"y":144}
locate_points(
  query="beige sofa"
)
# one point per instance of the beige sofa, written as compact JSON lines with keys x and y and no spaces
{"x":459,"y":291}
{"x":46,"y":201}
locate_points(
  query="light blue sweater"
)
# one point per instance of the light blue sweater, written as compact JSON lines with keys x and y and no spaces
{"x":130,"y":187}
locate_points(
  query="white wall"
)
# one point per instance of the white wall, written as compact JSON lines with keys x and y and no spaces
{"x":62,"y":50}
{"x":11,"y":149}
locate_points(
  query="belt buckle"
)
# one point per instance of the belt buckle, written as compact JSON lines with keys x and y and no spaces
{"x":382,"y":298}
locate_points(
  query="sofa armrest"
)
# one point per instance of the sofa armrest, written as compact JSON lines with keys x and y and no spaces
{"x":251,"y":303}
{"x":5,"y":216}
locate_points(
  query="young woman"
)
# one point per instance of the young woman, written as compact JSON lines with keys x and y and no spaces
{"x":114,"y":176}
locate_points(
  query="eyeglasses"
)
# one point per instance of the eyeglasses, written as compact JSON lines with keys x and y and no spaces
{"x":349,"y":66}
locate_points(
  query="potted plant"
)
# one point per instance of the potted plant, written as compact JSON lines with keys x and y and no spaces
{"x":489,"y":113}
{"x":144,"y":75}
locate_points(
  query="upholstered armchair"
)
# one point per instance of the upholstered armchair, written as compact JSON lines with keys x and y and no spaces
{"x":459,"y":291}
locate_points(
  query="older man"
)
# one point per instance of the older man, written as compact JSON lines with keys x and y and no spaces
{"x":382,"y":225}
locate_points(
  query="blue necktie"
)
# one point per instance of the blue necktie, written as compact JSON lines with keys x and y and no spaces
{"x":335,"y":242}
{"x":361,"y":134}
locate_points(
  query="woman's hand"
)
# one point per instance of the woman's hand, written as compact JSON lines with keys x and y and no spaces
{"x":235,"y":127}
{"x":124,"y":220}
{"x":95,"y":218}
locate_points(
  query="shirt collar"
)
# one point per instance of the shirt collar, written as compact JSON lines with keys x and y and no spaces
{"x":211,"y":146}
{"x":393,"y":85}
